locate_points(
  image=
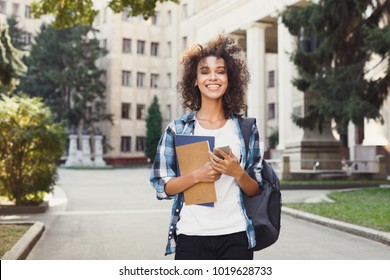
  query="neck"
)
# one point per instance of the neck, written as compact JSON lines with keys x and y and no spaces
{"x":212,"y":112}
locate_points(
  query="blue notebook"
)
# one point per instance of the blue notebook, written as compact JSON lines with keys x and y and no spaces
{"x":181,"y":140}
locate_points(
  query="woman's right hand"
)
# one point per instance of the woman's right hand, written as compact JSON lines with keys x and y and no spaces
{"x":205,"y":173}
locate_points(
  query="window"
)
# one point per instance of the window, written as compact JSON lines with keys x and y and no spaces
{"x":15,"y":9}
{"x":140,"y":79}
{"x":169,"y":49}
{"x":103,"y":78}
{"x":169,"y":18}
{"x":271,"y":79}
{"x":154,"y":49}
{"x":104,"y":44}
{"x":140,"y":47}
{"x":3,"y":7}
{"x":126,"y":110}
{"x":26,"y":38}
{"x":168,"y":113}
{"x":155,"y":18}
{"x":154,"y":80}
{"x":298,"y":111}
{"x":271,"y":111}
{"x":140,"y":111}
{"x":126,"y":45}
{"x":125,"y":14}
{"x":27,"y":12}
{"x":185,"y":11}
{"x":184,"y":42}
{"x":126,"y":78}
{"x":169,"y":80}
{"x":104,"y":15}
{"x":140,"y":145}
{"x":125,"y":144}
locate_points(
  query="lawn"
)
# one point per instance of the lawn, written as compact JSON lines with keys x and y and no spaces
{"x":9,"y":235}
{"x":368,"y":207}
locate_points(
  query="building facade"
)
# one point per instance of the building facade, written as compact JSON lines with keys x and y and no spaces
{"x":143,"y":61}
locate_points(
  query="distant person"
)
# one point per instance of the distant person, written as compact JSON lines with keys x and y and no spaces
{"x":214,"y":80}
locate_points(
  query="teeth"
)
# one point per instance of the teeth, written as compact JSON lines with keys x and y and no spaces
{"x":213,"y":86}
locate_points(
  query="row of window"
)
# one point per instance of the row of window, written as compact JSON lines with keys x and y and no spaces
{"x":15,"y":9}
{"x":141,"y":80}
{"x":126,"y":143}
{"x":141,"y":47}
{"x":140,"y":111}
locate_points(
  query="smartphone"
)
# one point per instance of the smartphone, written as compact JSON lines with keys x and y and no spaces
{"x":224,"y":148}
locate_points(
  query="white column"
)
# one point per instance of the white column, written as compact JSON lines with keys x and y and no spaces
{"x":285,"y":75}
{"x":86,"y":150}
{"x":255,"y":46}
{"x":98,"y":160}
{"x":72,"y":159}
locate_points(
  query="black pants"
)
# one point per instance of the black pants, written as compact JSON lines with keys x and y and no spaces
{"x":222,"y":247}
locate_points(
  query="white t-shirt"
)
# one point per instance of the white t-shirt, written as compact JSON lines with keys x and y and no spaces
{"x":226,"y":216}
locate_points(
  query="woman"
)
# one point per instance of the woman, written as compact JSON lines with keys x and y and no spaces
{"x":213,"y":86}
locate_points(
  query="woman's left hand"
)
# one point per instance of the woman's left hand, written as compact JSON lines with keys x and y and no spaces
{"x":228,"y":164}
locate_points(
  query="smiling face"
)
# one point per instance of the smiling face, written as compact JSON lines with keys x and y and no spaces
{"x":212,"y":78}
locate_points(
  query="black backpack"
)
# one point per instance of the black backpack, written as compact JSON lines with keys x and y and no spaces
{"x":265,"y":209}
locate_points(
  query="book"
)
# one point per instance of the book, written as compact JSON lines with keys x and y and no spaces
{"x":191,"y":153}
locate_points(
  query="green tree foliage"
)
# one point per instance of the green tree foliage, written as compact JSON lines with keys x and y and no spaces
{"x":72,"y":12}
{"x":153,"y":129}
{"x":62,"y":71}
{"x":11,"y":64}
{"x":337,"y":40}
{"x":30,"y":146}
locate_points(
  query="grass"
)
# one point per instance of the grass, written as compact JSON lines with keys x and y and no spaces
{"x":9,"y":235}
{"x":369,"y":207}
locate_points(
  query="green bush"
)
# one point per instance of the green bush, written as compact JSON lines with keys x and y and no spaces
{"x":30,"y":147}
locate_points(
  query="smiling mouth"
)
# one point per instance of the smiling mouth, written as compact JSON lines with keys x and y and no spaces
{"x":213,"y":86}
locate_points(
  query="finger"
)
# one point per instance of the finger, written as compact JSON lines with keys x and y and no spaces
{"x":221,"y":153}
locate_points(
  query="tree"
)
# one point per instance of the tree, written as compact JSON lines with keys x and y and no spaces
{"x":72,"y":12}
{"x":11,"y":64}
{"x":153,"y":129}
{"x":62,"y":71}
{"x":337,"y":41}
{"x":30,"y":146}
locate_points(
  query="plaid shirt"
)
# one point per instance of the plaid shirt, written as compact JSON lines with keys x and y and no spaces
{"x":164,"y":169}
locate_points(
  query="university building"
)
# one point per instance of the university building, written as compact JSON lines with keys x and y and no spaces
{"x":143,"y":61}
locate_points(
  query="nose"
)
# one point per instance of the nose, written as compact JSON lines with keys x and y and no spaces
{"x":212,"y":76}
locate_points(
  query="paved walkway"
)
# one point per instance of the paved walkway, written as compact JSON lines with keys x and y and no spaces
{"x":113,"y":214}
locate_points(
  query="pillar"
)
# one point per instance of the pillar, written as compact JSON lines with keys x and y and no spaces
{"x":86,"y":150}
{"x":256,"y":65}
{"x":72,"y":159}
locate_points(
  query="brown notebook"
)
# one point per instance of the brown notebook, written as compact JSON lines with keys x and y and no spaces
{"x":190,"y":157}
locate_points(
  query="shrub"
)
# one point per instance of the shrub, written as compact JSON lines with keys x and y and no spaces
{"x":30,"y":147}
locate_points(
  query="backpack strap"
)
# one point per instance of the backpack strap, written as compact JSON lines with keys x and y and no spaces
{"x":246,"y":128}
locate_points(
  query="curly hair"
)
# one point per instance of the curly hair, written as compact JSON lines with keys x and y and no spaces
{"x":238,"y":76}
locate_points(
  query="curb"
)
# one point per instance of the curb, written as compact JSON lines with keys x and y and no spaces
{"x":23,"y":247}
{"x":375,"y":235}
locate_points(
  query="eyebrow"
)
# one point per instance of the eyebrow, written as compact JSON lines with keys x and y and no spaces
{"x":207,"y":67}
